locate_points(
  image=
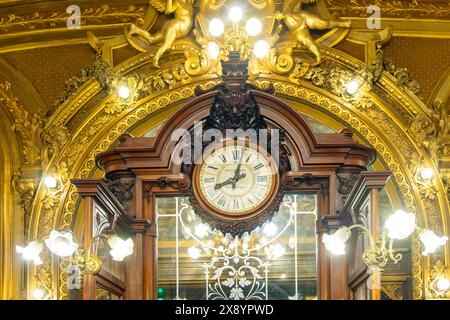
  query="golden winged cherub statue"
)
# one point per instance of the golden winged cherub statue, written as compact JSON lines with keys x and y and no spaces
{"x":299,"y":22}
{"x":171,"y":30}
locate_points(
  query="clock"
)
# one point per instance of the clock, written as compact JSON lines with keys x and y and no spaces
{"x":235,"y":183}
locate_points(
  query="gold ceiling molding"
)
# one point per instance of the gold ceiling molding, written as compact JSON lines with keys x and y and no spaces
{"x":51,"y":20}
{"x":39,"y":144}
{"x":392,"y":8}
{"x":100,"y":70}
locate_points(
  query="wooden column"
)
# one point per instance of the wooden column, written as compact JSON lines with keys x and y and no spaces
{"x":364,"y":196}
{"x":96,"y":193}
{"x":88,"y":280}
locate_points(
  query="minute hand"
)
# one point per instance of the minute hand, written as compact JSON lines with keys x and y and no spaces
{"x":237,"y":175}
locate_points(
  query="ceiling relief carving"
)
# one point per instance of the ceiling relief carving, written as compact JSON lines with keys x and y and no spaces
{"x":402,"y":9}
{"x":286,"y":26}
{"x":13,"y":23}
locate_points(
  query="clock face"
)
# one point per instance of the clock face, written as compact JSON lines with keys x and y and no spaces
{"x":236,"y":179}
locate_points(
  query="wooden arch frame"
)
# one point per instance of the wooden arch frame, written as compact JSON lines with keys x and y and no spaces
{"x":315,"y":161}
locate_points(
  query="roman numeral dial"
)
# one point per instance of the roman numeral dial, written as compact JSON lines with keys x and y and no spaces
{"x":235,"y":179}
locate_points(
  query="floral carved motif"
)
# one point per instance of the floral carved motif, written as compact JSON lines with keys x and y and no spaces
{"x":38,"y":20}
{"x":99,"y":70}
{"x":39,"y":144}
{"x":405,"y":9}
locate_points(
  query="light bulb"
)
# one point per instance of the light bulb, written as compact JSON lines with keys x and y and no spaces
{"x":124,"y":92}
{"x":50,"y":182}
{"x":253,"y":27}
{"x":235,"y":14}
{"x":426,"y":173}
{"x":216,"y":27}
{"x":335,"y":243}
{"x":400,"y":225}
{"x":443,"y":284}
{"x":270,"y":229}
{"x":431,"y":241}
{"x":194,"y":252}
{"x":61,"y":243}
{"x":213,"y":50}
{"x":120,"y":249}
{"x":38,"y":293}
{"x":275,"y":251}
{"x":352,"y":87}
{"x":261,"y":49}
{"x":31,"y":252}
{"x":201,"y":230}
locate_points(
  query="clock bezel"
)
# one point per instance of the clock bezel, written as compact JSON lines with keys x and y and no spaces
{"x":223,"y":215}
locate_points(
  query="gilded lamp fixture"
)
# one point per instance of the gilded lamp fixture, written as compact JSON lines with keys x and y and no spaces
{"x":64,"y":244}
{"x":398,"y":226}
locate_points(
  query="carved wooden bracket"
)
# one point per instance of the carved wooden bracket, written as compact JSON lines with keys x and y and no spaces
{"x":297,"y":180}
{"x":180,"y":182}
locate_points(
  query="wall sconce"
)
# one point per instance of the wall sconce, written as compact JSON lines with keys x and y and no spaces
{"x":399,"y":226}
{"x":63,"y":244}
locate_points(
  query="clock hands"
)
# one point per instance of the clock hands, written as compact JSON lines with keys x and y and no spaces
{"x":236,"y":177}
{"x":231,"y":181}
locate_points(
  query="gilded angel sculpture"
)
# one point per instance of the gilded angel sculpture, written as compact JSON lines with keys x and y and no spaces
{"x":299,"y":22}
{"x":171,"y":30}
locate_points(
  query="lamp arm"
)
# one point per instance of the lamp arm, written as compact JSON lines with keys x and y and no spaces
{"x":366,"y":231}
{"x":97,"y":237}
{"x":394,"y":257}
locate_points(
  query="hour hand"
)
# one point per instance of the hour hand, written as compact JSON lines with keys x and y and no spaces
{"x":222,"y":184}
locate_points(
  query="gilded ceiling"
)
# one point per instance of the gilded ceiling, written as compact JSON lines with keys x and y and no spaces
{"x":35,"y":41}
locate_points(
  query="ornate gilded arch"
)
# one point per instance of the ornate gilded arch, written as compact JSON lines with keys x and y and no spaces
{"x":385,"y":116}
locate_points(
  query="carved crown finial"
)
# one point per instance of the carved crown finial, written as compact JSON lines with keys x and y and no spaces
{"x":234,"y":69}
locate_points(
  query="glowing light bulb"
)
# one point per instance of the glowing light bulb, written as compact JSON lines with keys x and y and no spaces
{"x":213,"y":50}
{"x":194,"y":252}
{"x":216,"y":27}
{"x":431,"y":241}
{"x":201,"y":230}
{"x":270,"y":229}
{"x":443,"y":284}
{"x":352,"y":87}
{"x":61,"y":243}
{"x":275,"y":251}
{"x":120,"y":249}
{"x":235,"y":14}
{"x":426,"y":173}
{"x":124,"y":92}
{"x":400,"y":225}
{"x":38,"y":293}
{"x":253,"y":27}
{"x":261,"y":49}
{"x":31,"y":252}
{"x":335,"y":243}
{"x":50,"y":182}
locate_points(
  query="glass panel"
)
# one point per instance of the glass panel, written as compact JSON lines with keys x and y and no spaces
{"x":276,"y":261}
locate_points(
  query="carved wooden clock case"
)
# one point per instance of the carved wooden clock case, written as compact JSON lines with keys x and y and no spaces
{"x":138,"y":169}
